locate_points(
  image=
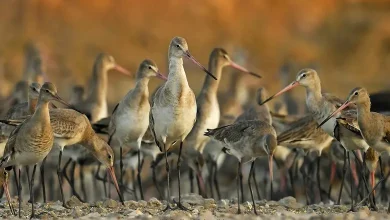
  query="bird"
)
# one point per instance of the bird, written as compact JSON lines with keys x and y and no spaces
{"x":173,"y":111}
{"x":374,"y":127}
{"x":77,"y":94}
{"x":31,"y":141}
{"x":95,"y":104}
{"x":322,"y":105}
{"x":208,"y":112}
{"x":133,"y":110}
{"x":247,"y":140}
{"x":18,"y":95}
{"x":305,"y":134}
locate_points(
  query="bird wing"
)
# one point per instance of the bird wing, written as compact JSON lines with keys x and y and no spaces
{"x":67,"y":123}
{"x":387,"y":129}
{"x":303,"y":129}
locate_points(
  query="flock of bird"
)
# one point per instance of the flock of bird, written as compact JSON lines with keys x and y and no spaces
{"x":197,"y":129}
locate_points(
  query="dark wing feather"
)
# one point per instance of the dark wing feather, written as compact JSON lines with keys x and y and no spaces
{"x":301,"y":130}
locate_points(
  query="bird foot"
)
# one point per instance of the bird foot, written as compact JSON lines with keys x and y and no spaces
{"x":180,"y":206}
{"x":352,"y":209}
{"x":373,"y":208}
{"x":66,"y":206}
{"x":169,"y":207}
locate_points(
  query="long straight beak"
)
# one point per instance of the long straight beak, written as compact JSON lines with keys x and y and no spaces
{"x":346,"y":104}
{"x":190,"y":57}
{"x":236,"y":66}
{"x":5,"y":186}
{"x":271,"y":171}
{"x":60,"y":100}
{"x":161,"y":76}
{"x":289,"y":87}
{"x":122,"y":70}
{"x":110,"y":170}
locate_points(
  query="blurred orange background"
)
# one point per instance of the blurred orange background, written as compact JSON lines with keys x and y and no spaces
{"x":347,"y":41}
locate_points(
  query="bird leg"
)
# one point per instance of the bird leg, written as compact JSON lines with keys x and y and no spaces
{"x":121,"y":166}
{"x":250,"y":187}
{"x":332,"y":175}
{"x":255,"y":182}
{"x":353,"y":207}
{"x":216,"y":183}
{"x":238,"y":187}
{"x":5,"y":187}
{"x":28,"y":179}
{"x":179,"y":204}
{"x":83,"y":189}
{"x":343,"y":178}
{"x":155,"y":179}
{"x":71,"y":181}
{"x":210,"y":179}
{"x":42,"y":169}
{"x":168,"y":179}
{"x":319,"y":176}
{"x":59,"y":174}
{"x":191,"y":178}
{"x":242,"y":188}
{"x":20,"y":193}
{"x":140,"y":165}
{"x":134,"y":185}
{"x":32,"y":192}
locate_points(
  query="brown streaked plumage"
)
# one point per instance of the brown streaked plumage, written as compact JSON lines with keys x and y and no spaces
{"x":31,"y":141}
{"x":95,"y":104}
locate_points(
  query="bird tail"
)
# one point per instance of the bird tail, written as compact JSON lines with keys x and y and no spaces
{"x":12,"y":122}
{"x":212,"y":132}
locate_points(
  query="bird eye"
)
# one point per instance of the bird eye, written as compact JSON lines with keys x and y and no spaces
{"x":150,"y":67}
{"x":109,"y":156}
{"x":304,"y":75}
{"x":356,"y":93}
{"x":177,"y":45}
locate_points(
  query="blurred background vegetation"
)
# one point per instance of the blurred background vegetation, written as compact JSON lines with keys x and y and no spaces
{"x":348,"y":41}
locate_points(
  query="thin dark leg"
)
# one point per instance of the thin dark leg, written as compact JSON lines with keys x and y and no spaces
{"x":333,"y":171}
{"x":28,"y":179}
{"x":343,"y":178}
{"x":242,"y":189}
{"x":121,"y":167}
{"x":179,"y":204}
{"x":16,"y":179}
{"x":155,"y":180}
{"x":83,"y":189}
{"x":43,"y":179}
{"x":353,"y":208}
{"x":134,"y":184}
{"x":216,"y":183}
{"x":210,"y":179}
{"x":255,"y":182}
{"x":59,"y":174}
{"x":250,"y":187}
{"x":168,"y":179}
{"x":191,"y":178}
{"x":71,"y":181}
{"x":32,"y":192}
{"x":319,"y":177}
{"x":363,"y":175}
{"x":291,"y":174}
{"x":238,"y":187}
{"x":20,"y":193}
{"x":140,"y":164}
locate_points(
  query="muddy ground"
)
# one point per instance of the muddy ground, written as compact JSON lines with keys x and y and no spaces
{"x":286,"y":208}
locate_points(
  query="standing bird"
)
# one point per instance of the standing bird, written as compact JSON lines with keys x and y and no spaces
{"x":32,"y":140}
{"x":322,"y":105}
{"x":249,"y":140}
{"x":130,"y":118}
{"x":77,"y":95}
{"x":95,"y":104}
{"x":174,"y":109}
{"x":374,"y":127}
{"x":208,"y":112}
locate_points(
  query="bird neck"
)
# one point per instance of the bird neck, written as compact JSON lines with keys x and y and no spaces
{"x":176,"y":71}
{"x":210,"y":85}
{"x":32,"y":104}
{"x":313,"y":93}
{"x":98,"y":90}
{"x":364,"y":110}
{"x":140,"y":91}
{"x":42,"y":109}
